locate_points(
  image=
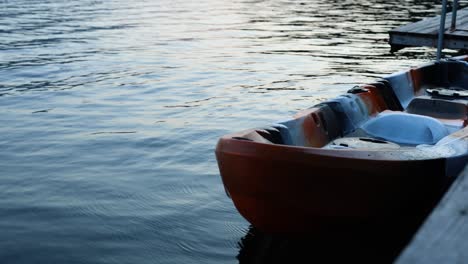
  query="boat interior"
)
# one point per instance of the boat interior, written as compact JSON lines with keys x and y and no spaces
{"x":417,"y":109}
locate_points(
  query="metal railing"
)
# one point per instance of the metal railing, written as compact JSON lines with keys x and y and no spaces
{"x":453,"y":25}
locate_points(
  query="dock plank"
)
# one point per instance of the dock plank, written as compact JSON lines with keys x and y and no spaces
{"x":443,"y":238}
{"x":431,"y":25}
{"x":425,"y":33}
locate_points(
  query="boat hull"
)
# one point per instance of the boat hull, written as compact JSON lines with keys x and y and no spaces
{"x":283,"y":189}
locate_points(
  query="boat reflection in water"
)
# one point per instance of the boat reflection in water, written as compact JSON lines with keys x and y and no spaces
{"x":369,"y":244}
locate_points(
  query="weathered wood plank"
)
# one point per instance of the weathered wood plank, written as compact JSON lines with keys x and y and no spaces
{"x":431,"y":25}
{"x":424,"y":41}
{"x":425,"y":33}
{"x":443,"y":238}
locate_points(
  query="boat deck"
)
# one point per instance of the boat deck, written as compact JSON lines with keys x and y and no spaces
{"x":424,"y":33}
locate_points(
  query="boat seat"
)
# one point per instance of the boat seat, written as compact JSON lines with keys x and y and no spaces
{"x":405,"y":128}
{"x":439,"y":108}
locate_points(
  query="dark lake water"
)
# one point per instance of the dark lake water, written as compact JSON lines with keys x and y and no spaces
{"x":111,"y":110}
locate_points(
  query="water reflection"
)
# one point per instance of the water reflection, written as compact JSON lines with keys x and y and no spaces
{"x":369,"y":243}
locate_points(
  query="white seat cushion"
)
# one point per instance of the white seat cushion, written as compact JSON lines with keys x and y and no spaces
{"x":406,"y":128}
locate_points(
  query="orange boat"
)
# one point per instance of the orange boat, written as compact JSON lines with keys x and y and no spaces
{"x":382,"y":154}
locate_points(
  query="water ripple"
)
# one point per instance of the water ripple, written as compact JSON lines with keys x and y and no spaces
{"x":111,"y":111}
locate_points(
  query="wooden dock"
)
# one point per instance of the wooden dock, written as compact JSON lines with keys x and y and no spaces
{"x":443,"y":238}
{"x":425,"y":33}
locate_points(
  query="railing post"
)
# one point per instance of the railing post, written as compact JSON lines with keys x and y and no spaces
{"x":453,"y":26}
{"x":440,"y":42}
